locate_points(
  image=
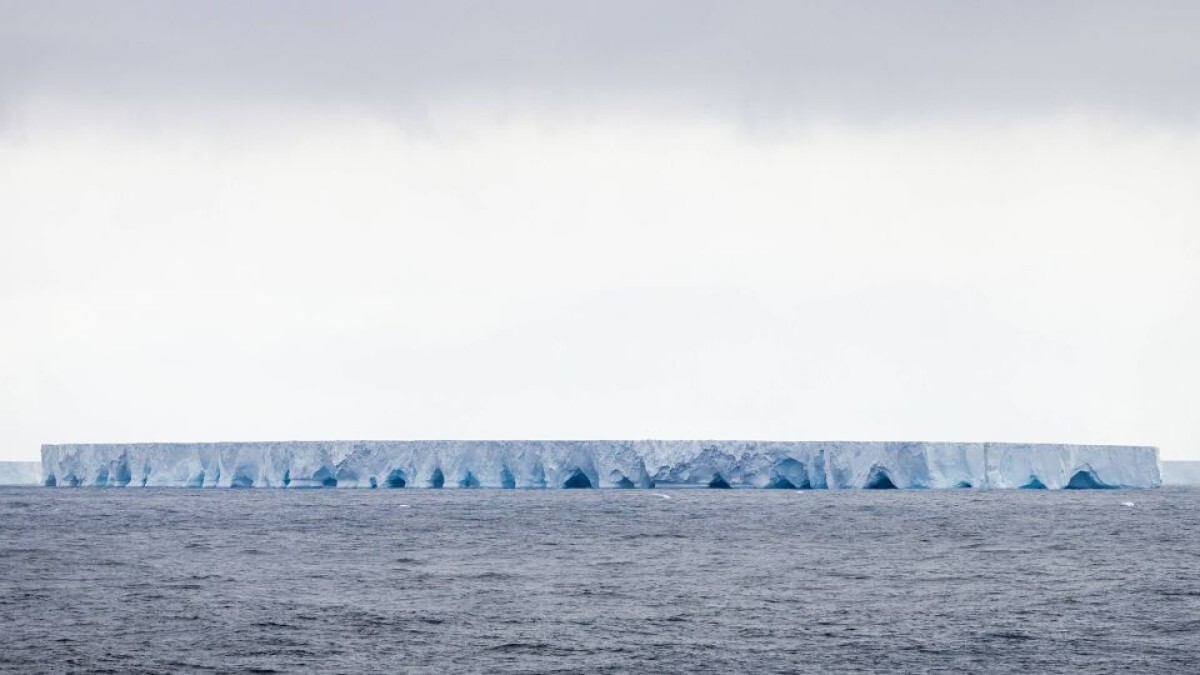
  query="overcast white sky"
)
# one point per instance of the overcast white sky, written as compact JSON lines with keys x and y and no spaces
{"x":821,"y":220}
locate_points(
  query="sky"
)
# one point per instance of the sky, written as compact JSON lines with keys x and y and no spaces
{"x":762,"y":220}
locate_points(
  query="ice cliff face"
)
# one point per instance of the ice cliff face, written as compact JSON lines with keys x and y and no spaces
{"x":606,"y":464}
{"x":20,"y":473}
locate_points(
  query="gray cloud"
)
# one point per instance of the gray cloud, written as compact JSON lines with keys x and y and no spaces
{"x":858,"y":60}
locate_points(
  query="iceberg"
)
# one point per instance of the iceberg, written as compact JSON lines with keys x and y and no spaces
{"x":601,"y":464}
{"x":1181,"y":473}
{"x":20,"y":473}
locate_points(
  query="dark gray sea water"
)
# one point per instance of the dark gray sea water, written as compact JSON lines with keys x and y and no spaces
{"x":176,"y":580}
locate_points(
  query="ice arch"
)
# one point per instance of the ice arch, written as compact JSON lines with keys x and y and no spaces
{"x":879,"y":480}
{"x":718,"y":482}
{"x":576,"y":480}
{"x":1085,"y":479}
{"x":325,"y":478}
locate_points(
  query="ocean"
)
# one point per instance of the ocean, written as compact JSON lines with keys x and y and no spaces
{"x":140,"y":580}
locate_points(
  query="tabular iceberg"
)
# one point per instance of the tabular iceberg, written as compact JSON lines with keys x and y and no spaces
{"x":604,"y":464}
{"x":20,"y":473}
{"x":1181,"y":473}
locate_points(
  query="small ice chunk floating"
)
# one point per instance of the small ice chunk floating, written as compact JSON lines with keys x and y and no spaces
{"x":601,"y":464}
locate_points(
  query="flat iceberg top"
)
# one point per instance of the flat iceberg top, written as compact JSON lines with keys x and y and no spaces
{"x":602,"y":463}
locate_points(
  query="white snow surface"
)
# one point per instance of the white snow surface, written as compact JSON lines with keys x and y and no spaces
{"x":605,"y":464}
{"x":20,"y":473}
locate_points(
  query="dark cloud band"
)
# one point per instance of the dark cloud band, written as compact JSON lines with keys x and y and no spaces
{"x":857,"y":59}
